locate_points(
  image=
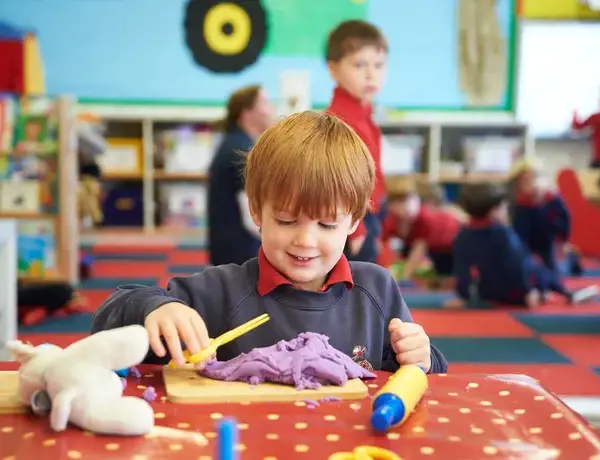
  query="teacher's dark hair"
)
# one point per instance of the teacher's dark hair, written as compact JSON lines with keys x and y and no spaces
{"x":243,"y":99}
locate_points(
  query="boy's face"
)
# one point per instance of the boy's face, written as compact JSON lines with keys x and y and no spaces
{"x":526,"y":183}
{"x":361,"y":73}
{"x":302,"y":249}
{"x":262,"y":112}
{"x":405,"y":208}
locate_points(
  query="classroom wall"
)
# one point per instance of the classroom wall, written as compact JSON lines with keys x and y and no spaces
{"x":563,"y":154}
{"x":133,"y":50}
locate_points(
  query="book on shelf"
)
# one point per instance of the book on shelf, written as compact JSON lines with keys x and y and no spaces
{"x":36,"y":247}
{"x":29,"y":167}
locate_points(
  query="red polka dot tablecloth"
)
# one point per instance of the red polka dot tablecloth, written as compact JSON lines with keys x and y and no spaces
{"x":461,"y":417}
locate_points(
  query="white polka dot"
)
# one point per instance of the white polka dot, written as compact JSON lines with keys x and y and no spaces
{"x":490,"y":450}
{"x":427,"y":450}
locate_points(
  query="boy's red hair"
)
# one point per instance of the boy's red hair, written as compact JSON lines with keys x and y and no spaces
{"x":310,"y":163}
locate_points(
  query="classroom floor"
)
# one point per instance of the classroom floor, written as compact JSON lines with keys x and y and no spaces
{"x":559,"y":345}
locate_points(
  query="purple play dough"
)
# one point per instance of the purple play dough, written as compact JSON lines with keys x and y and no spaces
{"x":307,"y":362}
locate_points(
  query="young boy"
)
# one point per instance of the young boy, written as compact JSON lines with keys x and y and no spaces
{"x":308,"y":180}
{"x":490,"y":261}
{"x":356,"y":58}
{"x":540,"y":217}
{"x":427,"y":231}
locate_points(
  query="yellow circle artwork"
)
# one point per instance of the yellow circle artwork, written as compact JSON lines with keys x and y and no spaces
{"x":217,"y":39}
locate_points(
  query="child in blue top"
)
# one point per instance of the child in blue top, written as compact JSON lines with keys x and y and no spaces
{"x":308,"y":180}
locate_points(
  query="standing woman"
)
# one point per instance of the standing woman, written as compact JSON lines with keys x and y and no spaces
{"x":233,"y":237}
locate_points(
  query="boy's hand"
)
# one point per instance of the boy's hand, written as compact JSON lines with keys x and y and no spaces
{"x":410,"y":343}
{"x":176,"y":322}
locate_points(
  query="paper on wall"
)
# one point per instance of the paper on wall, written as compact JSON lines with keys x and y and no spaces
{"x":294,"y":89}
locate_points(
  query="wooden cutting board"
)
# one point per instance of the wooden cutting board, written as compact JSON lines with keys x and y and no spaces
{"x":185,"y":386}
{"x":9,"y":393}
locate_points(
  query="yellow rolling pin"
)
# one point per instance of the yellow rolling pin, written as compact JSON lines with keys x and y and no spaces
{"x":398,"y":397}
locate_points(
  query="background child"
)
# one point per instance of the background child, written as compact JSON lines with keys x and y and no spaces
{"x":426,"y":231}
{"x":490,"y":261}
{"x":540,"y":217}
{"x":593,"y":124}
{"x":357,"y":57}
{"x":308,"y":180}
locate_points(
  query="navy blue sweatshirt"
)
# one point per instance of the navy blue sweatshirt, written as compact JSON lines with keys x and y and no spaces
{"x":541,"y":224}
{"x":491,"y":256}
{"x":353,"y":309}
{"x":229,"y":241}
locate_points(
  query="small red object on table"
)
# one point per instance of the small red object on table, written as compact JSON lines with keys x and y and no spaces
{"x":461,"y":417}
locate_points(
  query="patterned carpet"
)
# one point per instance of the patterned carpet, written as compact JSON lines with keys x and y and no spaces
{"x":557,"y":344}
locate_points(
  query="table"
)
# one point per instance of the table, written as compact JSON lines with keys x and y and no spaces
{"x":461,"y":417}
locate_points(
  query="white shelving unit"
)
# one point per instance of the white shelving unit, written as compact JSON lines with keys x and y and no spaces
{"x":441,"y":133}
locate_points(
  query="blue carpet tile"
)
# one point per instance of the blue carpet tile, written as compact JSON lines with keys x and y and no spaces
{"x":185,"y":269}
{"x":72,"y":324}
{"x":498,"y":350}
{"x":112,"y":283}
{"x":560,"y":324}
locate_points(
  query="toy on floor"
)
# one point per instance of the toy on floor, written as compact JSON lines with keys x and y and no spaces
{"x":393,"y":404}
{"x":81,"y":384}
{"x":426,"y":274}
{"x":37,"y":301}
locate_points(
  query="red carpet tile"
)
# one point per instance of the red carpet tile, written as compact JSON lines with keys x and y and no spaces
{"x":95,"y":297}
{"x":61,"y":340}
{"x":192,"y":257}
{"x":579,"y":283}
{"x":465,"y":323}
{"x":561,"y":379}
{"x":127,"y":269}
{"x":583,"y":350}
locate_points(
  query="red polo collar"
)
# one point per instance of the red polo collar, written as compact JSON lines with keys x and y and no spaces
{"x":528,"y":200}
{"x":481,"y":223}
{"x":269,"y":278}
{"x":344,"y":101}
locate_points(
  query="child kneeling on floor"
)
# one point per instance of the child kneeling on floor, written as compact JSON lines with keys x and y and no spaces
{"x":491,"y":263}
{"x":426,"y":230}
{"x":308,"y":181}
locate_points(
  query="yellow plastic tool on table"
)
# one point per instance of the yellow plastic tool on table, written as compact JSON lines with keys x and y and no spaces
{"x":366,"y":453}
{"x":222,"y":340}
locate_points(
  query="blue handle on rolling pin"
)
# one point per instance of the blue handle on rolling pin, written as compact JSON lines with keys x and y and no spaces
{"x":227,"y":440}
{"x":123,"y":373}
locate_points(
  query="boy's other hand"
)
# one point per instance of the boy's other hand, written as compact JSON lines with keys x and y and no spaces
{"x":410,"y":343}
{"x":177,"y":323}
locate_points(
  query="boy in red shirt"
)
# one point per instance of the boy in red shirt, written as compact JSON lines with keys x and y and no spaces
{"x":593,"y":124}
{"x":426,"y":231}
{"x":356,"y":58}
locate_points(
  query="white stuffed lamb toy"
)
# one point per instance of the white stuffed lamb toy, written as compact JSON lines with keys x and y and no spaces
{"x":81,"y":383}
